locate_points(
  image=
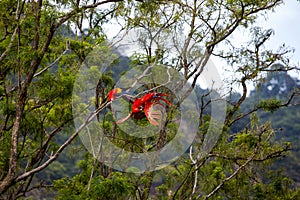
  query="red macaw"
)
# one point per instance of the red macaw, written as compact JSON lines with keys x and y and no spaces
{"x":112,"y":94}
{"x":146,"y":104}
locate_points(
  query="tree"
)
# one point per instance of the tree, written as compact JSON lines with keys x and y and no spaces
{"x":36,"y":83}
{"x":207,"y":25}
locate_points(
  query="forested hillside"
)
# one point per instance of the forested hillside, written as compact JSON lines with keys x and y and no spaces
{"x":275,"y":87}
{"x":101,"y":100}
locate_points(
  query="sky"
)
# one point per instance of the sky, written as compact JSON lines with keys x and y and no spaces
{"x":284,"y":20}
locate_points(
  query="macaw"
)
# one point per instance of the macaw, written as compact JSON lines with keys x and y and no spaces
{"x":113,"y":93}
{"x":146,"y":105}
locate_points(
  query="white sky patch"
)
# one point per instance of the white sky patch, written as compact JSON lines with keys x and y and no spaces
{"x":284,"y":20}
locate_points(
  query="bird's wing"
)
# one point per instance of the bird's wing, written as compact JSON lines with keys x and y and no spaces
{"x":153,"y":112}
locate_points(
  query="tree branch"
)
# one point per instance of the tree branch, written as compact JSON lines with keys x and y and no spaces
{"x":63,"y":146}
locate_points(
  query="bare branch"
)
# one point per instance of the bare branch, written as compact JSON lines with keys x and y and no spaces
{"x":229,"y":177}
{"x":54,"y":62}
{"x":256,"y":108}
{"x":12,"y":39}
{"x":64,"y":145}
{"x":194,"y":162}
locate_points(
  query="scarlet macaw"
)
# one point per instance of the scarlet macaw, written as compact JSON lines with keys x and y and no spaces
{"x":147,"y":104}
{"x":112,"y":94}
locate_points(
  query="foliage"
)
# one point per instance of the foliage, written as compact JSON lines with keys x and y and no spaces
{"x":117,"y":186}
